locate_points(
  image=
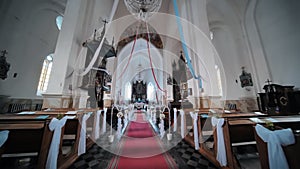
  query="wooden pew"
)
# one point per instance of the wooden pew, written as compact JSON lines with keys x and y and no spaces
{"x":207,"y":132}
{"x":291,"y":152}
{"x":72,"y":128}
{"x":27,"y":135}
{"x":41,"y":141}
{"x":240,"y":130}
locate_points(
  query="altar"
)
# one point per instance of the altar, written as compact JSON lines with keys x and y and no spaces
{"x":139,"y":105}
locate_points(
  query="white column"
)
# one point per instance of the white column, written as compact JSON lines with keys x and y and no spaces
{"x":205,"y":59}
{"x":202,"y":56}
{"x":67,"y":45}
{"x":260,"y":67}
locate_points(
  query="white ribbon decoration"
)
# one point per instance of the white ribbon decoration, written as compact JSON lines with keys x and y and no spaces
{"x":182,"y":123}
{"x":3,"y":137}
{"x":104,"y":121}
{"x":97,"y":127}
{"x":119,"y":129}
{"x":162,"y":128}
{"x":151,"y":114}
{"x":276,"y":139}
{"x":55,"y":125}
{"x":95,"y":57}
{"x":195,"y":129}
{"x":175,"y":120}
{"x":154,"y":117}
{"x":221,"y":154}
{"x":126,"y":120}
{"x":82,"y":139}
{"x":130,"y":115}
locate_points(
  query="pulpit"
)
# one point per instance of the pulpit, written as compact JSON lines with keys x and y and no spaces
{"x":278,"y":100}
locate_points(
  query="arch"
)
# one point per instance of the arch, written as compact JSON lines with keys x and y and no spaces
{"x":130,"y":32}
{"x":138,"y":64}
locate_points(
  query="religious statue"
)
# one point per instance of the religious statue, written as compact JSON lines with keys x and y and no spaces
{"x":4,"y":66}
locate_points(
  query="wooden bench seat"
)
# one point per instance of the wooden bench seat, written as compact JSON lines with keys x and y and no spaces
{"x":30,"y":134}
{"x":291,"y":152}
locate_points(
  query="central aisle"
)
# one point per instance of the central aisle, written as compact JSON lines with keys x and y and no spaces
{"x":140,"y":148}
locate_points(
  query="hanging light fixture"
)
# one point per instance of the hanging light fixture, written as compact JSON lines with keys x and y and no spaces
{"x":139,"y":76}
{"x":143,"y":9}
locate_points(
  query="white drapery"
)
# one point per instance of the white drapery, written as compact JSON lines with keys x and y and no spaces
{"x":104,"y":121}
{"x":221,"y":154}
{"x":119,"y":128}
{"x":95,"y":57}
{"x":162,"y":128}
{"x":276,"y":139}
{"x":175,"y":120}
{"x":56,"y":126}
{"x":3,"y":137}
{"x":182,"y":128}
{"x":195,"y":129}
{"x":82,"y":139}
{"x":97,"y":127}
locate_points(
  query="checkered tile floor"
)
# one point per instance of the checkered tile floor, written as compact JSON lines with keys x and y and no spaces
{"x":184,"y":155}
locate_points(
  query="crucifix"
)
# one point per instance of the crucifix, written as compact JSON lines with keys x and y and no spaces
{"x":103,"y":31}
{"x":268,"y":81}
{"x":105,"y":22}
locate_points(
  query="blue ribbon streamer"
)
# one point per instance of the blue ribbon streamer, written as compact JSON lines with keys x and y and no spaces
{"x":190,"y":66}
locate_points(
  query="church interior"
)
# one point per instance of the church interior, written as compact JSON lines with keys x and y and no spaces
{"x":149,"y":84}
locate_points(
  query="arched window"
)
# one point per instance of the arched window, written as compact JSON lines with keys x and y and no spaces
{"x":150,"y":92}
{"x":128,"y":91}
{"x":45,"y":75}
{"x":59,"y":21}
{"x":219,"y":80}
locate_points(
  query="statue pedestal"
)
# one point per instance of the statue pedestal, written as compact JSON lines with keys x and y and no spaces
{"x":57,"y":101}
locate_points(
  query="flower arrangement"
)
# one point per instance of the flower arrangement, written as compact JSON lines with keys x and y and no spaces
{"x":120,"y":115}
{"x":270,"y":125}
{"x":162,"y":116}
{"x":60,"y":116}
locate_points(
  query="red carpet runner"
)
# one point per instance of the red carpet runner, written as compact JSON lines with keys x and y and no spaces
{"x":140,"y":149}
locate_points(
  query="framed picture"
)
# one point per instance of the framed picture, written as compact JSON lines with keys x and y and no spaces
{"x":245,"y":78}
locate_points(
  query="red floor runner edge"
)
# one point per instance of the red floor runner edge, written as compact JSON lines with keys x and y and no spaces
{"x":140,"y":149}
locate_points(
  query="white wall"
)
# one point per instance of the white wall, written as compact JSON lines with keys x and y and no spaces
{"x":230,"y":43}
{"x":279,"y":27}
{"x":28,"y":31}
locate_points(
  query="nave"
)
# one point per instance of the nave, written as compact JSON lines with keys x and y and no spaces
{"x":131,"y":138}
{"x":140,"y":139}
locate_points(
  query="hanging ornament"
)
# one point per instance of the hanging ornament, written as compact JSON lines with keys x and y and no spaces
{"x":143,"y":9}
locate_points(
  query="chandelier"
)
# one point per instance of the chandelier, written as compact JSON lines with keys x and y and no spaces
{"x":143,"y":9}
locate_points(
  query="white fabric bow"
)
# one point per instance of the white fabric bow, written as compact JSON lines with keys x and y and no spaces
{"x":55,"y":125}
{"x":154,"y":117}
{"x":3,"y":137}
{"x":276,"y":139}
{"x":162,"y":128}
{"x":97,"y":127}
{"x":175,"y":120}
{"x":221,"y":154}
{"x":126,"y":120}
{"x":119,"y":127}
{"x":82,"y":139}
{"x":195,"y":129}
{"x":182,"y":123}
{"x":104,"y":121}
